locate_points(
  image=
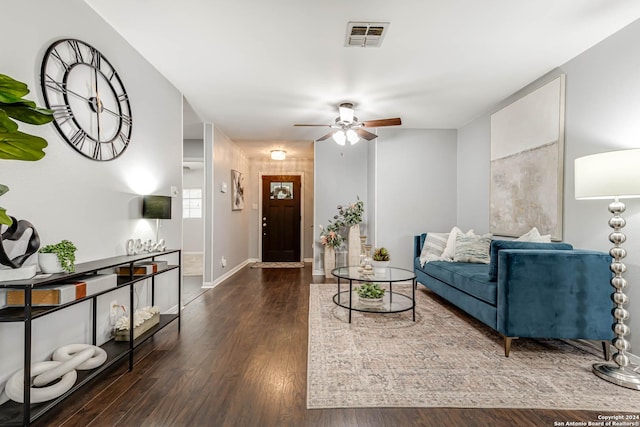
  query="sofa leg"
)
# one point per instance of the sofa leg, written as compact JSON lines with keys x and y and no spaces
{"x":606,"y":349}
{"x":507,"y":345}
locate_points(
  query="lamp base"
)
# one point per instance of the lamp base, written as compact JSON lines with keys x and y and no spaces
{"x":625,"y":377}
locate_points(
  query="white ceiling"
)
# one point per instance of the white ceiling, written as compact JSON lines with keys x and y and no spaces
{"x":255,"y":67}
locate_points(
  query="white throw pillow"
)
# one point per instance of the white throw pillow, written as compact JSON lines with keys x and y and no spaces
{"x":533,"y":235}
{"x":434,"y":245}
{"x":450,"y":251}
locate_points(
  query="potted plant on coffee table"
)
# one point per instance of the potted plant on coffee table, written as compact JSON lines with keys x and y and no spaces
{"x":380,"y":260}
{"x":370,"y":293}
{"x":58,"y":257}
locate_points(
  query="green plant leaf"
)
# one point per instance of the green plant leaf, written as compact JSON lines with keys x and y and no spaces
{"x":12,"y":88}
{"x":28,"y":113}
{"x":21,"y":146}
{"x":3,"y":189}
{"x":6,"y":124}
{"x":4,"y":218}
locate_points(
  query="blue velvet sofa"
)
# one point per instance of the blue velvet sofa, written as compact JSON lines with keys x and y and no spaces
{"x":529,"y":290}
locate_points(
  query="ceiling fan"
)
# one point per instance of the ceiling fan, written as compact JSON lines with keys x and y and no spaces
{"x":348,"y":128}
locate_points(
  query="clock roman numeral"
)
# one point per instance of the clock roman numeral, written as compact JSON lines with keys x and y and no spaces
{"x":75,"y":48}
{"x":62,"y":113}
{"x":95,"y":58}
{"x":78,"y":138}
{"x":126,"y":120}
{"x":124,"y":139}
{"x":97,"y":151}
{"x":114,"y":150}
{"x":54,"y":85}
{"x":56,"y":55}
{"x":123,"y":97}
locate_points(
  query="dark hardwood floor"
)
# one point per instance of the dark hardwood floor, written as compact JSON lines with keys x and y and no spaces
{"x":241,"y":360}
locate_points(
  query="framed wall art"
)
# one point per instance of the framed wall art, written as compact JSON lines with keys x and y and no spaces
{"x":237,"y":190}
{"x":527,"y":163}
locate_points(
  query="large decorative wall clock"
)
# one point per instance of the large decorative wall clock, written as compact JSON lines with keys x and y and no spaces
{"x":90,"y":104}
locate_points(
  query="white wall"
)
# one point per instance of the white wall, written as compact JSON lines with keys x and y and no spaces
{"x":416,"y":188}
{"x":340,"y":177}
{"x":277,"y":167}
{"x":230,"y":228}
{"x":602,"y":110}
{"x":97,"y":205}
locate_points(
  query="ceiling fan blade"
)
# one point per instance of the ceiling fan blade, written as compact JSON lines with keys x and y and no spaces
{"x":382,"y":122}
{"x":365,"y":134}
{"x":327,"y":136}
{"x":312,"y":125}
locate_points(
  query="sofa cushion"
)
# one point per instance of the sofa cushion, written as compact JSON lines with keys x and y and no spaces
{"x":469,"y":278}
{"x":498,"y":245}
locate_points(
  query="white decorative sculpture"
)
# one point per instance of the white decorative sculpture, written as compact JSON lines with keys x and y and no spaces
{"x":66,"y":360}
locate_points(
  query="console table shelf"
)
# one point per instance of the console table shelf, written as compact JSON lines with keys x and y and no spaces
{"x":13,"y":413}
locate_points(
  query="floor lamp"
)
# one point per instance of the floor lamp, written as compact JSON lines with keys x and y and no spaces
{"x":614,"y":175}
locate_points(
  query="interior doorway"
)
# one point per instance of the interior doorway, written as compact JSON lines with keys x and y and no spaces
{"x":281,"y":218}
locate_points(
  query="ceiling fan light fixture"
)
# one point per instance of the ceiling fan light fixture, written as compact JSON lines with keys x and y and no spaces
{"x":339,"y":137}
{"x":278,"y":154}
{"x":352,"y":136}
{"x":346,"y":112}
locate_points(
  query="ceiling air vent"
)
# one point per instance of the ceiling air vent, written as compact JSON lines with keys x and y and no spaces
{"x":365,"y":34}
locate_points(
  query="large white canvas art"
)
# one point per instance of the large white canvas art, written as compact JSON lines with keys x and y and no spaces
{"x":527,"y":157}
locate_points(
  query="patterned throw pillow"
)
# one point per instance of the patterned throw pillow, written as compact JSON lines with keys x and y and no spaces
{"x":472,"y":248}
{"x":433,"y":247}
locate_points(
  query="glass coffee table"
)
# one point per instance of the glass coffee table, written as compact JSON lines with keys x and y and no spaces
{"x":392,"y":302}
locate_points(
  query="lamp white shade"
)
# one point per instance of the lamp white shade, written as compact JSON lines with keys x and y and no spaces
{"x":608,"y":175}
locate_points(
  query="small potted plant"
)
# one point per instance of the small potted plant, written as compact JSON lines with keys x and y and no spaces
{"x":370,"y":293}
{"x":58,"y":257}
{"x":380,"y":260}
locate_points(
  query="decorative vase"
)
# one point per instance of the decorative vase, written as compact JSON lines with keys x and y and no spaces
{"x":329,"y":261}
{"x":49,"y":263}
{"x":355,"y":245}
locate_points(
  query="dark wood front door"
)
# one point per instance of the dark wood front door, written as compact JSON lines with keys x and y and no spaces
{"x":280,"y":218}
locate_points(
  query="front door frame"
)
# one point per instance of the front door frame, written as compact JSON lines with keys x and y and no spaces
{"x":301,"y":175}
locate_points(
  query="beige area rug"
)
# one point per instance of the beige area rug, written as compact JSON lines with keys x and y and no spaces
{"x":444,"y":359}
{"x":278,"y":265}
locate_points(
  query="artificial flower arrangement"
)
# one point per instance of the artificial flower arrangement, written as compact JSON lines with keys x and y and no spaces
{"x":330,"y":237}
{"x":352,"y":214}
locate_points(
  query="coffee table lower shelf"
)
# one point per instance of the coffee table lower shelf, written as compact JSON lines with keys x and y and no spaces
{"x":392,"y":302}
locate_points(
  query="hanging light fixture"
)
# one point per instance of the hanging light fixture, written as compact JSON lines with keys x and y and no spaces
{"x":352,"y":136}
{"x":278,"y":154}
{"x":340,"y":137}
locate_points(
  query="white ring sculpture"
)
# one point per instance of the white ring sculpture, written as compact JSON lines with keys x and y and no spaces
{"x":68,"y":351}
{"x":15,"y":386}
{"x":70,"y":365}
{"x":67,"y":359}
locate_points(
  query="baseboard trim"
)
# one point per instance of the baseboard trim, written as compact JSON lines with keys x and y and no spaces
{"x":318,"y":272}
{"x":225,"y":276}
{"x":307,"y":260}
